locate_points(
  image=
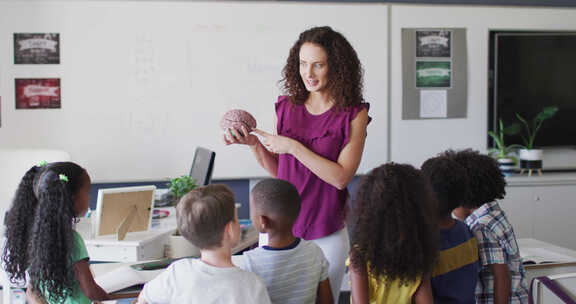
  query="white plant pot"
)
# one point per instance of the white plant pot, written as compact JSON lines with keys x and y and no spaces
{"x":530,"y":159}
{"x":530,"y":154}
{"x":181,"y":247}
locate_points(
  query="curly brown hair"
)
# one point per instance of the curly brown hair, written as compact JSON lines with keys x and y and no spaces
{"x":449,"y":181}
{"x":394,"y":231}
{"x":486,"y":182}
{"x":345,"y":71}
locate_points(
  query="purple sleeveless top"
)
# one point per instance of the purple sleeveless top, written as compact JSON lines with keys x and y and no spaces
{"x":323,"y":206}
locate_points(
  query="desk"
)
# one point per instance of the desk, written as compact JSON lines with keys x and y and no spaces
{"x":134,"y":277}
{"x":537,"y":270}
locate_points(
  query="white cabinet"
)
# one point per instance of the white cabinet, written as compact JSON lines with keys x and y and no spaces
{"x":519,"y":207}
{"x":543,"y":207}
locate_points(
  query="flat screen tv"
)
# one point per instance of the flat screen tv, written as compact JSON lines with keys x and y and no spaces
{"x":527,"y":72}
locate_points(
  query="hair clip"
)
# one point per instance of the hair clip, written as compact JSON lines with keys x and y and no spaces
{"x":42,"y":164}
{"x":63,"y":177}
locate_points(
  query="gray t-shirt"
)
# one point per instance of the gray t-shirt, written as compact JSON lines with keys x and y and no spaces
{"x":291,"y":274}
{"x":193,"y":281}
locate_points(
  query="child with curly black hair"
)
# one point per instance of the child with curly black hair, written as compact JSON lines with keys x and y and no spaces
{"x":456,"y":272}
{"x":40,"y":239}
{"x":502,"y":277}
{"x":394,"y":237}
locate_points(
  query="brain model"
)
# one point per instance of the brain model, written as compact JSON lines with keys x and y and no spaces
{"x":235,"y":119}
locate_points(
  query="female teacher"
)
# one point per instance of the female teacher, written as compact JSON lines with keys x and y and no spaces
{"x":321,"y":130}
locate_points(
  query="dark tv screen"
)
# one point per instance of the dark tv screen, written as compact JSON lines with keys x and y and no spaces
{"x":530,"y":71}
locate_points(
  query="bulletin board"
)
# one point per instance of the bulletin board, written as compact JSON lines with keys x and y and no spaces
{"x":434,"y":73}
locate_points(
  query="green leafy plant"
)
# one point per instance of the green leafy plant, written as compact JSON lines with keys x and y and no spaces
{"x":179,"y":186}
{"x":501,"y":150}
{"x":531,"y":129}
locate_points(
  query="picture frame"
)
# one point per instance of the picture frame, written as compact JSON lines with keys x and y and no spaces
{"x":38,"y":93}
{"x":434,"y":43}
{"x":36,"y":48}
{"x":433,"y":74}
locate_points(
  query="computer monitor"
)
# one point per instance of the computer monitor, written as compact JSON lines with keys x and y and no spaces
{"x":202,"y":166}
{"x":119,"y":205}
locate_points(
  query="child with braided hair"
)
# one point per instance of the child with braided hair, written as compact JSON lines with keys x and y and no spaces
{"x":40,"y":239}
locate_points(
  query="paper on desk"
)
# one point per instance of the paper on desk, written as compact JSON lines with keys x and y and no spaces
{"x":433,"y":103}
{"x":542,"y":255}
{"x":125,"y":276}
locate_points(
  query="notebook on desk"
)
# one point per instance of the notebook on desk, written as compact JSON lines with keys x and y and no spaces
{"x":531,"y":256}
{"x":124,"y":277}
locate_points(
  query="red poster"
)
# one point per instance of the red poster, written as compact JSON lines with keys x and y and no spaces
{"x":38,"y":93}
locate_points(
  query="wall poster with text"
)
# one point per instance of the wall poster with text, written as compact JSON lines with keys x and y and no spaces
{"x":433,"y":74}
{"x":36,"y":48}
{"x":38,"y":93}
{"x":434,"y":43}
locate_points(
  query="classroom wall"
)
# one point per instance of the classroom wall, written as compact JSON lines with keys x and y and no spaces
{"x":137,"y":77}
{"x":414,"y":141}
{"x":145,"y":82}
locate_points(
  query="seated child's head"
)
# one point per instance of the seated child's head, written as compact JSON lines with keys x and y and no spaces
{"x":274,"y":205}
{"x":486,"y":182}
{"x":392,"y":230}
{"x":449,"y":181}
{"x":207,"y":215}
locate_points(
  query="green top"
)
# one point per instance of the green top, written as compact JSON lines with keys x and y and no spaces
{"x":79,"y":253}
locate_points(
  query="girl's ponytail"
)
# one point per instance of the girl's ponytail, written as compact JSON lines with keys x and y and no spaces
{"x":51,"y":237}
{"x":17,"y":222}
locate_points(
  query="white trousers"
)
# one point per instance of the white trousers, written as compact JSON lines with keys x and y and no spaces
{"x":336,"y":248}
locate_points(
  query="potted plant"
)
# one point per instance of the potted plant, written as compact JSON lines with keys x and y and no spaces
{"x":531,"y":158}
{"x":179,"y":186}
{"x":179,"y":246}
{"x":501,"y":151}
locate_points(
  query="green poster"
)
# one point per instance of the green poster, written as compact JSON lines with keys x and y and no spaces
{"x":433,"y":74}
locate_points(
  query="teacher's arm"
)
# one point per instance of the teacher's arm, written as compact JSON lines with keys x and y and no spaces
{"x":337,"y":174}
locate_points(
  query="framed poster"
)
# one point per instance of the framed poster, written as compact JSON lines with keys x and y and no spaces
{"x":434,"y":43}
{"x":39,"y":93}
{"x":433,"y":74}
{"x":36,"y":48}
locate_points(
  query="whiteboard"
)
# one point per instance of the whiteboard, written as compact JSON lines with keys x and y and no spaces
{"x":144,"y":83}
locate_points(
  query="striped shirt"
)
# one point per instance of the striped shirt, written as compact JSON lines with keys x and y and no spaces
{"x":291,"y":274}
{"x":455,"y":275}
{"x":497,"y":245}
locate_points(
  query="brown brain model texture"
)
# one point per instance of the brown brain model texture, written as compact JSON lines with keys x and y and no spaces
{"x":236,"y":119}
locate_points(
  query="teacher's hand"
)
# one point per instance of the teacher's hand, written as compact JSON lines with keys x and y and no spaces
{"x":276,"y":143}
{"x":242,"y":137}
